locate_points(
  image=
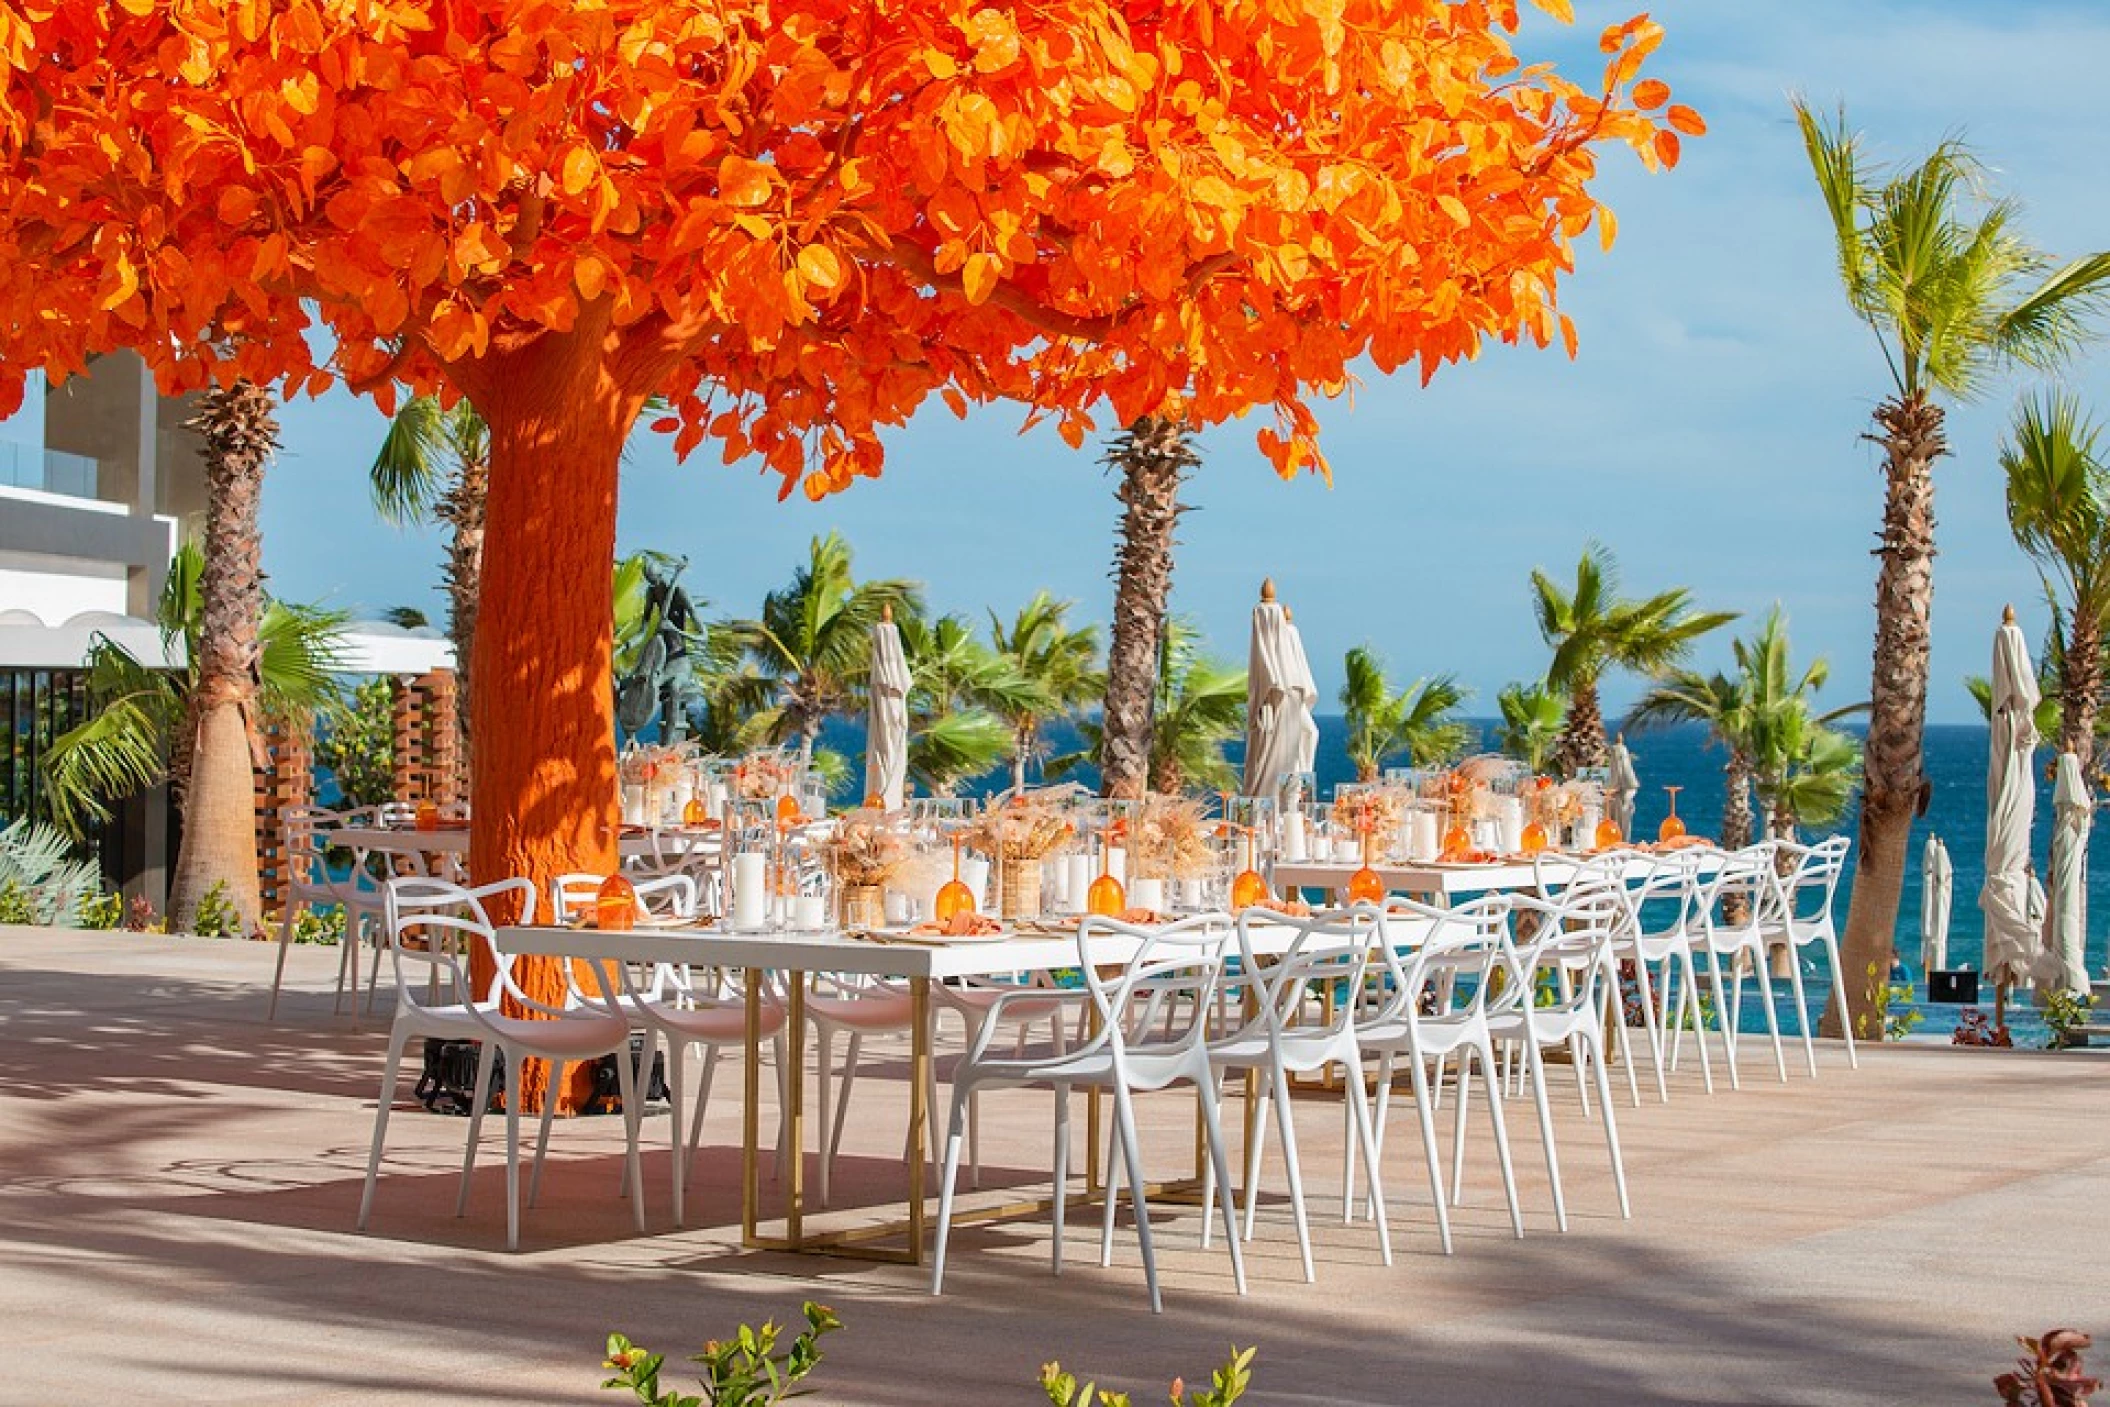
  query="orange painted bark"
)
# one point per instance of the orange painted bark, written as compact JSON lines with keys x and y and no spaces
{"x":544,"y":782}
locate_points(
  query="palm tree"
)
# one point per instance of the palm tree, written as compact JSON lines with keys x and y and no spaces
{"x":812,"y":644}
{"x":434,"y":465}
{"x":1420,"y":722}
{"x":1592,"y":630}
{"x":1531,"y":722}
{"x":960,"y":693}
{"x":1153,"y":456}
{"x":1199,"y":706}
{"x":1952,"y":293}
{"x":134,"y":734}
{"x":1059,"y":663}
{"x":1819,"y":767}
{"x":1724,"y":705}
{"x":2058,"y":504}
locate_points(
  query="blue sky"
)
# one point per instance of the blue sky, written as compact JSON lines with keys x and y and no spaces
{"x":1708,"y":433}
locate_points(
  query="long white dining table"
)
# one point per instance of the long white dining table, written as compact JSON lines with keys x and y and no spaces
{"x":453,"y":841}
{"x":916,"y":961}
{"x":1439,"y":882}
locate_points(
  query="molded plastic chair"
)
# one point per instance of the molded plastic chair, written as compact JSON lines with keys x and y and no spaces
{"x":432,"y":923}
{"x":1451,"y":970}
{"x":304,"y":844}
{"x":1571,"y":953}
{"x":1326,"y":960}
{"x":1788,"y":917}
{"x":1153,"y":1029}
{"x":1730,"y":906}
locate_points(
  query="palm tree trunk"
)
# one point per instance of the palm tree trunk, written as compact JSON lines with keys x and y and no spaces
{"x":463,"y":511}
{"x":1894,"y":788}
{"x":1022,"y":741}
{"x":2080,"y":689}
{"x":1153,"y":457}
{"x":1736,"y":807}
{"x":219,"y":799}
{"x":1581,"y":743}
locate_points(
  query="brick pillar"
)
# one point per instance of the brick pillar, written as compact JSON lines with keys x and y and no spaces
{"x":427,"y":747}
{"x":286,"y":780}
{"x":407,"y":752}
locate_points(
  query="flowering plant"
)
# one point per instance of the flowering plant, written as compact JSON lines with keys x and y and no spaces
{"x":1170,"y":837}
{"x":1026,"y":826}
{"x":759,"y":776}
{"x":864,"y":850}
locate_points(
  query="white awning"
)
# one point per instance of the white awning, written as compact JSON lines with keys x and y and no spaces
{"x":369,"y":646}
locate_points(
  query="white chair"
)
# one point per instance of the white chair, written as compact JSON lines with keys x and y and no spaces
{"x":1730,"y":905}
{"x":978,"y":1001}
{"x":432,"y":923}
{"x":304,"y":845}
{"x":1788,"y":917}
{"x":1325,"y":961}
{"x":1559,"y":978}
{"x":673,"y":1005}
{"x":1452,"y":971}
{"x":1153,"y":1028}
{"x":1671,"y":884}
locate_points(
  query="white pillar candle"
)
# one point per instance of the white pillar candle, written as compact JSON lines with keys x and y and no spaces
{"x":1294,"y":847}
{"x":633,"y":804}
{"x":1147,"y":894}
{"x":1117,"y":864}
{"x":750,"y":891}
{"x":896,"y":906}
{"x":1509,"y":823}
{"x":1425,"y":841}
{"x":1345,"y":849}
{"x":974,"y":873}
{"x":809,"y":913}
{"x":1077,"y":883}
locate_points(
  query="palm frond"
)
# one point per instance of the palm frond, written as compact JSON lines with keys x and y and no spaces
{"x":410,"y":470}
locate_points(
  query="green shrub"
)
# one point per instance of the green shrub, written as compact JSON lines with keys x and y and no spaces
{"x":743,"y":1371}
{"x":357,"y":743}
{"x":320,"y":926}
{"x":2064,"y":1013}
{"x":217,"y":915}
{"x":1226,"y":1385}
{"x":100,"y":911}
{"x":40,"y":871}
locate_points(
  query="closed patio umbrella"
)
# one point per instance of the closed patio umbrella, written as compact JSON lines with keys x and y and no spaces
{"x":886,"y":736}
{"x":1278,"y":711}
{"x":1305,"y":689}
{"x":1937,"y":891}
{"x":1622,"y":785}
{"x":2061,"y":965}
{"x":2011,"y":940}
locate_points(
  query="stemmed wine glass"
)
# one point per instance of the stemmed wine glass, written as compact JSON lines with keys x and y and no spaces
{"x":1672,"y":828}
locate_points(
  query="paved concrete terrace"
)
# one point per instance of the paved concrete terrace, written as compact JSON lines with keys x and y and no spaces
{"x":178,"y":1182}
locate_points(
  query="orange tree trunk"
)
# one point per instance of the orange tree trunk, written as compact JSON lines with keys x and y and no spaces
{"x":543,"y":785}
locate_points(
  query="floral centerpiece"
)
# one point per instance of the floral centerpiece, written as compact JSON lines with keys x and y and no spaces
{"x":1370,"y":811}
{"x":1018,"y":833}
{"x":650,"y":774}
{"x":864,"y":854}
{"x":763,"y":776}
{"x":1170,"y":838}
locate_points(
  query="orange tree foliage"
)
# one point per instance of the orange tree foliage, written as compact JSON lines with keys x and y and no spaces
{"x":803,"y":218}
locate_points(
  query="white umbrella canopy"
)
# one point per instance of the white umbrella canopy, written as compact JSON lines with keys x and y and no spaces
{"x":1305,"y":690}
{"x":1278,"y":712}
{"x":1622,"y":785}
{"x":2011,"y":940}
{"x":1937,"y":893}
{"x":886,"y":736}
{"x":2061,"y":964}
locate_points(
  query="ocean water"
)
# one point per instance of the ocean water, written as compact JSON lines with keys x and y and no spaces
{"x":1682,"y":757}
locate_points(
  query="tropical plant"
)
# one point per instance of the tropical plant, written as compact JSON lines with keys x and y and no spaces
{"x":746,"y":1370}
{"x":1592,"y":629}
{"x":1420,"y":722}
{"x":812,"y":644}
{"x":38,"y":865}
{"x":960,"y":691}
{"x":133,"y":735}
{"x":1530,"y":724}
{"x":1226,"y":1386}
{"x":434,"y":465}
{"x":1810,"y":773}
{"x":1059,"y":663}
{"x":1952,"y":293}
{"x":1153,"y":457}
{"x":2058,"y":506}
{"x":100,"y":912}
{"x":357,"y":742}
{"x":409,"y":618}
{"x":1199,"y":704}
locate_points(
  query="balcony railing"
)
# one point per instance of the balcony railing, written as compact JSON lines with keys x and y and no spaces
{"x":50,"y":470}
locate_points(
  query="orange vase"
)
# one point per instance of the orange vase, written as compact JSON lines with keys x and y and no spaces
{"x":428,"y":817}
{"x":615,"y":904}
{"x":954,"y":898}
{"x":695,"y":813}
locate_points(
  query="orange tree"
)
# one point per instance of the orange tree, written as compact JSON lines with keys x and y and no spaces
{"x":799,"y":219}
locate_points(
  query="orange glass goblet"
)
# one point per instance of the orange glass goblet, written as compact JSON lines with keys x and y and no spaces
{"x":1672,"y":828}
{"x":1366,"y":885}
{"x":615,"y":904}
{"x":1535,"y":838}
{"x":787,"y":812}
{"x":954,"y":898}
{"x":1609,"y":836}
{"x":695,"y":813}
